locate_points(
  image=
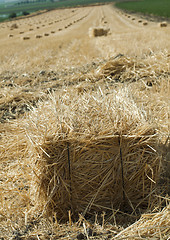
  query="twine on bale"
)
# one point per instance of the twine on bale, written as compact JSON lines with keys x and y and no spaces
{"x":69,"y":170}
{"x":121,"y":160}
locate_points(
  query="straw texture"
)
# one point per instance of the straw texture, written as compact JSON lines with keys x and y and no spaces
{"x":123,"y":68}
{"x":149,"y":226}
{"x":92,"y":153}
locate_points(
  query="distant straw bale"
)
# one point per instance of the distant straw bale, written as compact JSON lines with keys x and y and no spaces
{"x":26,"y":38}
{"x":145,"y":23}
{"x":46,"y":34}
{"x":38,"y":36}
{"x":139,"y":21}
{"x":163,"y":24}
{"x":10,"y":35}
{"x":14,"y":26}
{"x":21,"y":32}
{"x":97,"y":32}
{"x":79,"y":147}
{"x":52,"y":32}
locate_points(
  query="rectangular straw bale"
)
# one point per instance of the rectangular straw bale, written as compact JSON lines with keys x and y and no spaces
{"x":77,"y":157}
{"x":98,"y":31}
{"x":163,"y":24}
{"x":26,"y":38}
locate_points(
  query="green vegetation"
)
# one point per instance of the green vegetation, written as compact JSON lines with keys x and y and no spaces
{"x":155,"y":7}
{"x":25,"y":13}
{"x":12,"y":15}
{"x":27,"y":6}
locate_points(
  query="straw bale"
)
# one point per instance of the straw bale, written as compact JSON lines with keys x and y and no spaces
{"x":13,"y":26}
{"x":145,"y":23}
{"x":97,"y":32}
{"x":78,"y":144}
{"x":163,"y":24}
{"x":38,"y":36}
{"x":10,"y":35}
{"x":26,"y":38}
{"x":46,"y":34}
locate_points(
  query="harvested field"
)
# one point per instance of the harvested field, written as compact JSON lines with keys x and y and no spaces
{"x":84,"y":127}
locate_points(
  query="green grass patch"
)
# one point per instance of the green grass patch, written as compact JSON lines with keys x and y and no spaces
{"x":155,"y":7}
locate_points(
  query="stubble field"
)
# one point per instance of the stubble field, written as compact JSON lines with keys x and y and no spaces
{"x":58,"y":82}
